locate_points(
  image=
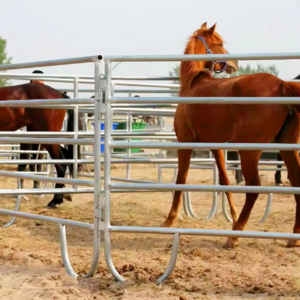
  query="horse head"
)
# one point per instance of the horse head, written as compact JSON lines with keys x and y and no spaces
{"x":208,"y":41}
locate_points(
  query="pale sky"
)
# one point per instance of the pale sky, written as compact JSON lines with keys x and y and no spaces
{"x":42,"y":30}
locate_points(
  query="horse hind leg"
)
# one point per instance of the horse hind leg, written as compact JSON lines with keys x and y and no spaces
{"x":278,"y":172}
{"x":291,"y":159}
{"x":184,"y":157}
{"x":249,"y":163}
{"x":22,"y":167}
{"x":56,"y":152}
{"x":220,"y":161}
{"x":290,"y":134}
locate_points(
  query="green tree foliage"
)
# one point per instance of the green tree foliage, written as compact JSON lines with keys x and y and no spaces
{"x":271,"y":69}
{"x":4,"y":60}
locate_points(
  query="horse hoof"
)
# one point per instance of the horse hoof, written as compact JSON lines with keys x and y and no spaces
{"x":53,"y":203}
{"x":293,"y":243}
{"x":169,"y":223}
{"x":231,"y":243}
{"x":279,"y":184}
{"x":67,"y":197}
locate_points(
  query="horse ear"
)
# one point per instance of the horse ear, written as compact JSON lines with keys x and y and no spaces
{"x":204,"y":25}
{"x":213,"y":28}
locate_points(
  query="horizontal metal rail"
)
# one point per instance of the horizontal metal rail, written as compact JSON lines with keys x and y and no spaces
{"x":22,"y":151}
{"x":47,"y":179}
{"x":228,"y":162}
{"x":206,"y":232}
{"x":136,"y":191}
{"x":84,"y":134}
{"x":170,"y":86}
{"x":46,"y":219}
{"x":205,"y":188}
{"x":205,"y":167}
{"x":138,"y":160}
{"x":49,"y":63}
{"x":147,"y":78}
{"x":211,"y":146}
{"x":46,"y":191}
{"x":26,"y":76}
{"x":42,"y":102}
{"x":147,"y":91}
{"x":208,"y":100}
{"x":88,"y":77}
{"x":203,"y":57}
{"x":145,"y":113}
{"x":46,"y":141}
{"x":142,"y":105}
{"x":133,"y":180}
{"x":44,"y":161}
{"x":126,"y":91}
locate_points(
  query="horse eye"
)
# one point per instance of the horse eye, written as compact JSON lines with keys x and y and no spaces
{"x":221,"y":45}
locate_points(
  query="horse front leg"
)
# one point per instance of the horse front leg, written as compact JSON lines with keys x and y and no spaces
{"x":184,"y":157}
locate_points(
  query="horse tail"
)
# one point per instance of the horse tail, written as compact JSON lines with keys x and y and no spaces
{"x":292,"y":89}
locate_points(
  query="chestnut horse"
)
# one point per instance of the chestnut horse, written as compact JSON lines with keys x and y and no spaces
{"x":35,"y":147}
{"x":37,"y":119}
{"x":238,"y":173}
{"x":221,"y":123}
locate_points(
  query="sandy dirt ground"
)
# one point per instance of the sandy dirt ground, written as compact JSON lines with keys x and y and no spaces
{"x":31,"y":264}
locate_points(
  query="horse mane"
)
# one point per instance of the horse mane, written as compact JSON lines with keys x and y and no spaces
{"x":188,"y":69}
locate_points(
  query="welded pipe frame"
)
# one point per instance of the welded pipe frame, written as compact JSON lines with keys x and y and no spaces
{"x":107,"y":228}
{"x":31,"y":76}
{"x":187,"y":204}
{"x":75,"y":141}
{"x":127,"y":175}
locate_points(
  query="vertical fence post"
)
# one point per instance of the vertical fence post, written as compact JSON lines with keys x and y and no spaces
{"x":97,"y":172}
{"x":128,"y":150}
{"x":129,"y":129}
{"x":76,"y":116}
{"x":107,"y":175}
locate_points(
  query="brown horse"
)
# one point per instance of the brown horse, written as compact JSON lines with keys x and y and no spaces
{"x":35,"y":147}
{"x":37,"y":119}
{"x":238,"y":173}
{"x":221,"y":123}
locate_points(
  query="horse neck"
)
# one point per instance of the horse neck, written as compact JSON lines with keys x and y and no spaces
{"x":189,"y":69}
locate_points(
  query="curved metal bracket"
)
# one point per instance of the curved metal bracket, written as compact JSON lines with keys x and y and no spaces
{"x":189,"y":206}
{"x":184,"y":204}
{"x":268,"y":208}
{"x":187,"y":203}
{"x":224,"y":208}
{"x":18,"y":204}
{"x":173,"y":259}
{"x":64,"y":252}
{"x":96,"y":255}
{"x":65,"y":257}
{"x":108,"y":259}
{"x":19,"y":187}
{"x":215,"y":195}
{"x":214,"y":208}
